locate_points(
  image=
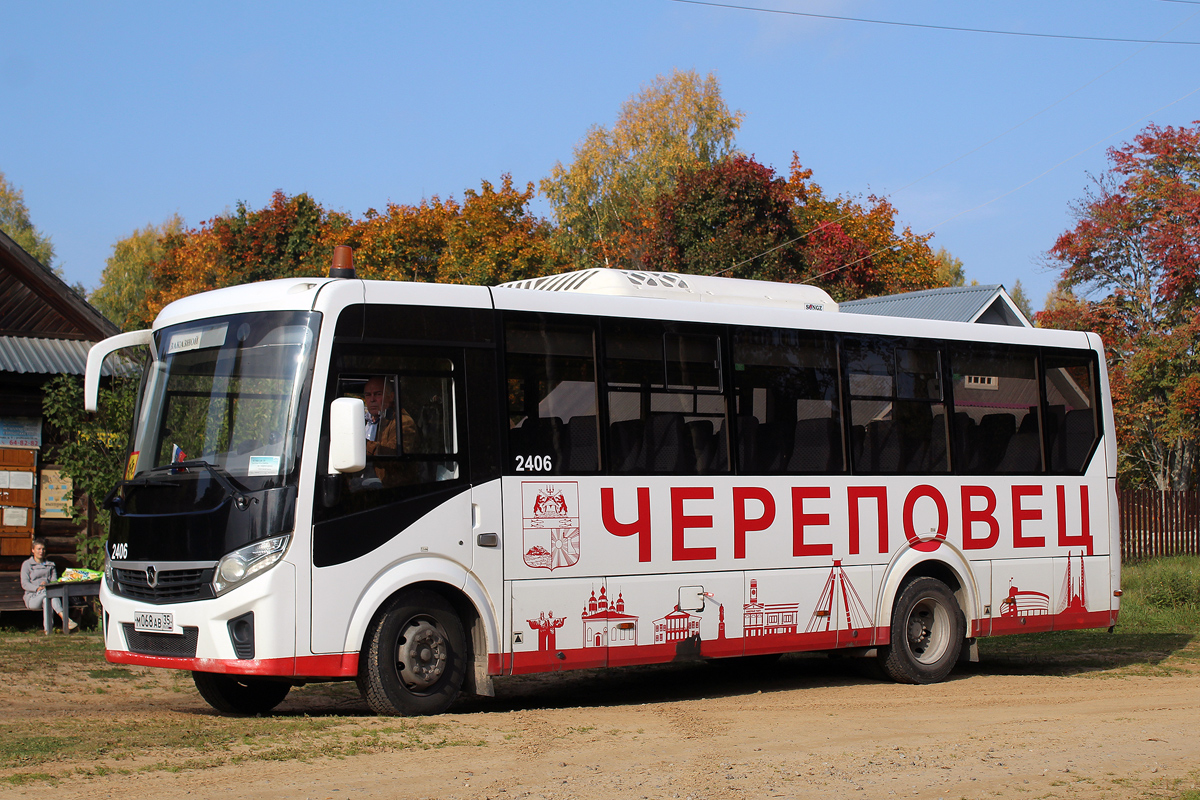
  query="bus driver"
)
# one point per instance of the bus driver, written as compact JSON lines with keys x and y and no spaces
{"x":379,"y":398}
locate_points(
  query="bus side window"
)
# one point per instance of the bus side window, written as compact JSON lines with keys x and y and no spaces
{"x":666,"y":406}
{"x":997,"y":421}
{"x":1072,"y":426}
{"x":919,"y":413}
{"x":897,"y":408}
{"x":553,"y":427}
{"x":787,"y":391}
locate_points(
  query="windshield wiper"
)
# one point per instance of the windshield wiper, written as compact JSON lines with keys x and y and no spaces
{"x":222,"y":477}
{"x":111,"y":500}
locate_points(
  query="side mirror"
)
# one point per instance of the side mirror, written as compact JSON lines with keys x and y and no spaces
{"x":95,"y":361}
{"x":347,"y":435}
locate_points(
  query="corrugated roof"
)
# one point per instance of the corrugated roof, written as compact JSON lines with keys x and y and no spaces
{"x":23,"y":354}
{"x":953,"y":303}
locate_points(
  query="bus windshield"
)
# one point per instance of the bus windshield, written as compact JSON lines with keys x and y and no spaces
{"x":227,"y":391}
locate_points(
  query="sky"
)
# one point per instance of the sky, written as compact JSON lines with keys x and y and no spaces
{"x":116,"y":116}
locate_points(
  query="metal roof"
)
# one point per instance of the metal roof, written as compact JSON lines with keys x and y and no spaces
{"x":986,"y":304}
{"x":23,"y":354}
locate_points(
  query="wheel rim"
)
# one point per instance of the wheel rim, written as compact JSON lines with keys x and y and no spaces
{"x":928,"y":630}
{"x":422,"y":654}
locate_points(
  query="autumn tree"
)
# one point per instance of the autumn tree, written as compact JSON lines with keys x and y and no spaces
{"x":281,"y":240}
{"x":128,"y":272}
{"x":490,"y":237}
{"x":853,"y":248}
{"x":15,"y":221}
{"x":401,"y":243}
{"x":1131,"y":270}
{"x":718,"y":217}
{"x":739,"y":219}
{"x":601,"y":199}
{"x":495,"y":238}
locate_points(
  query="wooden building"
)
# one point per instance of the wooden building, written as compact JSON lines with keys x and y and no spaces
{"x":45,"y":331}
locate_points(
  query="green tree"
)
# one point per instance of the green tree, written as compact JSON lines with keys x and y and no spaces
{"x":15,"y":221}
{"x":949,"y":269}
{"x":600,"y":200}
{"x":1021,"y":300}
{"x":128,"y":273}
{"x":1134,"y":258}
{"x":93,"y":450}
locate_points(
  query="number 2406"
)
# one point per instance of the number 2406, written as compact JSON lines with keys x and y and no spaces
{"x":534,"y":464}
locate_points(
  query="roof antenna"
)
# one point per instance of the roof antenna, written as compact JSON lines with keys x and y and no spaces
{"x":343,"y":262}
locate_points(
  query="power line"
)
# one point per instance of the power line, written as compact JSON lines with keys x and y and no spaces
{"x":1013,"y":190}
{"x":934,"y":27}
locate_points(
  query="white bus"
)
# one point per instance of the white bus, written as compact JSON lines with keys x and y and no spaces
{"x":595,"y":469}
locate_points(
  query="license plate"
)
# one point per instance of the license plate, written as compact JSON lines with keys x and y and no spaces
{"x":153,"y":621}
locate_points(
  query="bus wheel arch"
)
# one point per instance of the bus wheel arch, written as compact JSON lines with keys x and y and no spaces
{"x":950,"y":567}
{"x":416,"y":655}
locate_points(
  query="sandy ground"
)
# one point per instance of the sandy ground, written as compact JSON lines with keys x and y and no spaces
{"x":801,"y":727}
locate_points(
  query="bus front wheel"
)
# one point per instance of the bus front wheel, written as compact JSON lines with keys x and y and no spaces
{"x":927,"y":633}
{"x":237,"y":694}
{"x":415,"y":658}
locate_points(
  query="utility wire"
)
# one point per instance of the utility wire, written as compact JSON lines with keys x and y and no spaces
{"x":975,"y":150}
{"x":1022,"y":186}
{"x":933,"y":27}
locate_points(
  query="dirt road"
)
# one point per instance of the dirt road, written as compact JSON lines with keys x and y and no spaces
{"x":801,"y":727}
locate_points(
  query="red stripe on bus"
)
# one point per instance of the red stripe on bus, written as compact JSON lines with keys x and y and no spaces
{"x":336,"y":665}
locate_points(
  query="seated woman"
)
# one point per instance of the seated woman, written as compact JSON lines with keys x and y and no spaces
{"x":36,"y":572}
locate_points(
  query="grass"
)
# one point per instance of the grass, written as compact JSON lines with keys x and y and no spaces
{"x":174,"y":742}
{"x":1157,"y":635}
{"x":80,"y":735}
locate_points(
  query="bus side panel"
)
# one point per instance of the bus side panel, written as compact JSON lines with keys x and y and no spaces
{"x":1081,"y":592}
{"x":547,"y":631}
{"x":674,"y":617}
{"x":1022,"y":595}
{"x":340,"y":590}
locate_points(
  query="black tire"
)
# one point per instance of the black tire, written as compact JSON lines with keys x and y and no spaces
{"x":237,"y":694}
{"x":415,"y":656}
{"x":927,"y":634}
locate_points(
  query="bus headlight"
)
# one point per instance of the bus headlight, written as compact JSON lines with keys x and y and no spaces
{"x":246,"y":562}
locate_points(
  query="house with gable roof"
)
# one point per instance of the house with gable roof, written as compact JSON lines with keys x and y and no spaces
{"x":46,"y":329}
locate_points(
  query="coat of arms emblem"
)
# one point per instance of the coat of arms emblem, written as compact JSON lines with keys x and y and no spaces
{"x":550,"y":518}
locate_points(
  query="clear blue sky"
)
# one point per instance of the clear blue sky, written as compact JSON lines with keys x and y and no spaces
{"x":119,"y":115}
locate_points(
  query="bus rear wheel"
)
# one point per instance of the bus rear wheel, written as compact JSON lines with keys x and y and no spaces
{"x":927,"y":633}
{"x":237,"y":694}
{"x":415,"y":659}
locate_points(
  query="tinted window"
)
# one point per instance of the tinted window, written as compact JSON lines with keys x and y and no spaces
{"x":786,"y":389}
{"x":1072,"y":423}
{"x":666,"y":412}
{"x":897,"y":408}
{"x":553,"y":427}
{"x":997,"y":420}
